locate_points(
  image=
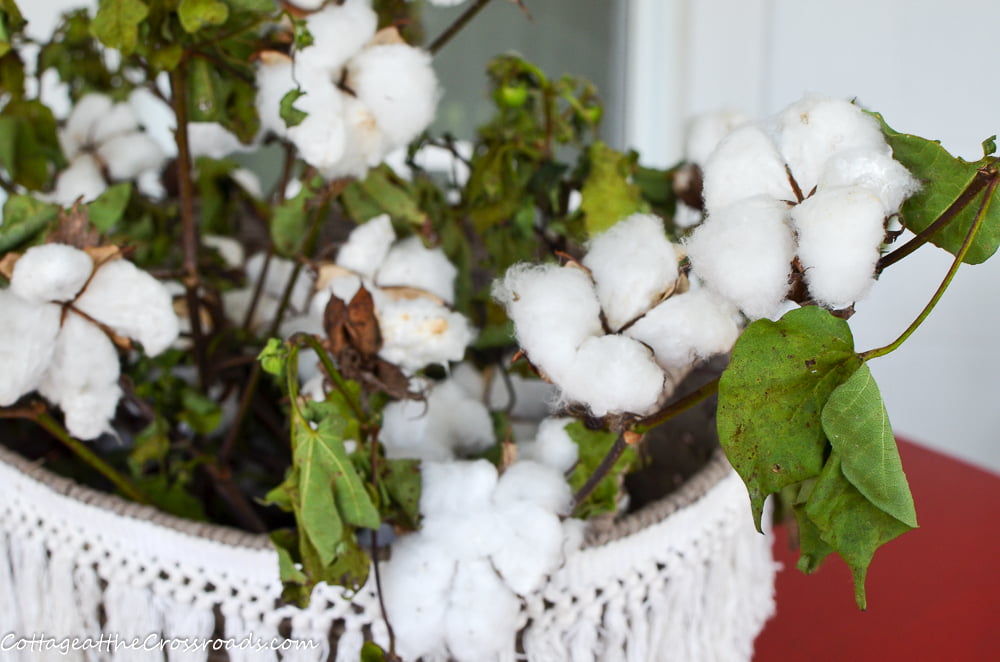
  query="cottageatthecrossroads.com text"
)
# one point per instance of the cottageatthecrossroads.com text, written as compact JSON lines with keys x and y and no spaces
{"x":111,"y":642}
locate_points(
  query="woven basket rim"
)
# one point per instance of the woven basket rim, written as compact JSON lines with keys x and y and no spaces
{"x":598,"y":532}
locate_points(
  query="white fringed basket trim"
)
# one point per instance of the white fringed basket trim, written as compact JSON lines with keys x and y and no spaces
{"x":685,"y":579}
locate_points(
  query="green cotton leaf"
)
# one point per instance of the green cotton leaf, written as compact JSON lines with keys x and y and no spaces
{"x":812,"y":548}
{"x":290,"y":224}
{"x":24,"y":218}
{"x":382,"y":192}
{"x":217,"y":93}
{"x":13,"y":19}
{"x":256,"y":6}
{"x":274,"y":357}
{"x":151,"y":445}
{"x":117,"y":23}
{"x":402,"y":480}
{"x":855,"y":421}
{"x":772,"y":395}
{"x":331,"y":490}
{"x":202,"y":414}
{"x":197,"y":14}
{"x":292,"y":115}
{"x":593,"y":446}
{"x":166,"y":57}
{"x":109,"y":207}
{"x":608,"y":195}
{"x":849,"y":523}
{"x":29,"y":143}
{"x":944,"y":178}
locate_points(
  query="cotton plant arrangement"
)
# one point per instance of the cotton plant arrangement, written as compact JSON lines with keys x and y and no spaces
{"x":442,"y":355}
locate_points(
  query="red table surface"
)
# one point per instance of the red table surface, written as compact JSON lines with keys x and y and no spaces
{"x":933,"y":594}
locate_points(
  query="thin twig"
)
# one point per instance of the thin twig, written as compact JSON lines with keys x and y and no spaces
{"x":677,"y":407}
{"x":980,"y":181}
{"x":189,"y":224}
{"x":457,"y":26}
{"x":959,"y":257}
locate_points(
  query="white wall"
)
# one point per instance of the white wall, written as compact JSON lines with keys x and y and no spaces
{"x":926,"y":66}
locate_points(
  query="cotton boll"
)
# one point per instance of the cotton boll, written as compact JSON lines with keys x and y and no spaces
{"x":551,"y":446}
{"x":127,"y":155}
{"x":554,"y":309}
{"x":840,"y":231}
{"x":744,"y":253}
{"x":342,"y":287}
{"x":420,"y":332}
{"x":873,"y":169}
{"x":536,"y":483}
{"x":812,"y":130}
{"x":338,"y":33}
{"x":456,"y":488}
{"x":82,"y":377}
{"x":81,"y":180}
{"x":321,"y":138}
{"x":633,"y":264}
{"x":706,"y":131}
{"x":478,"y":629}
{"x":27,"y":340}
{"x":365,"y":145}
{"x":411,"y":264}
{"x":687,"y":327}
{"x":367,"y":246}
{"x":613,"y":374}
{"x":79,"y":129}
{"x":531,"y":548}
{"x":133,"y":303}
{"x":50,"y":272}
{"x":745,"y":164}
{"x":397,"y":82}
{"x":416,"y":583}
{"x":119,"y":120}
{"x":467,"y":536}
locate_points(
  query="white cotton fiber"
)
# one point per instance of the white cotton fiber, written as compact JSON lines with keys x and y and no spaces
{"x":338,"y":31}
{"x":686,"y":328}
{"x":815,"y":128}
{"x":744,"y":253}
{"x":367,"y":246}
{"x":531,"y":547}
{"x":365,"y":145}
{"x":536,"y":483}
{"x":344,"y":288}
{"x":27,"y":340}
{"x":411,"y":264}
{"x":478,"y":629}
{"x":133,"y":303}
{"x":50,"y":272}
{"x":397,"y":83}
{"x":873,"y":169}
{"x":454,"y":488}
{"x":119,"y":120}
{"x":229,"y":249}
{"x":745,"y":164}
{"x":471,"y":535}
{"x":633,"y":264}
{"x":554,"y":309}
{"x":705,"y":131}
{"x":82,"y":179}
{"x":551,"y":446}
{"x":449,"y":421}
{"x":126,"y":156}
{"x":213,"y":140}
{"x":420,"y":332}
{"x":614,"y":374}
{"x":80,"y":125}
{"x":840,"y":231}
{"x":275,"y":78}
{"x":82,"y":377}
{"x":416,"y":584}
{"x":321,"y":137}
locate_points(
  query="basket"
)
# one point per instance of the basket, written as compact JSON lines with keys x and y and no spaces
{"x":85,"y":575}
